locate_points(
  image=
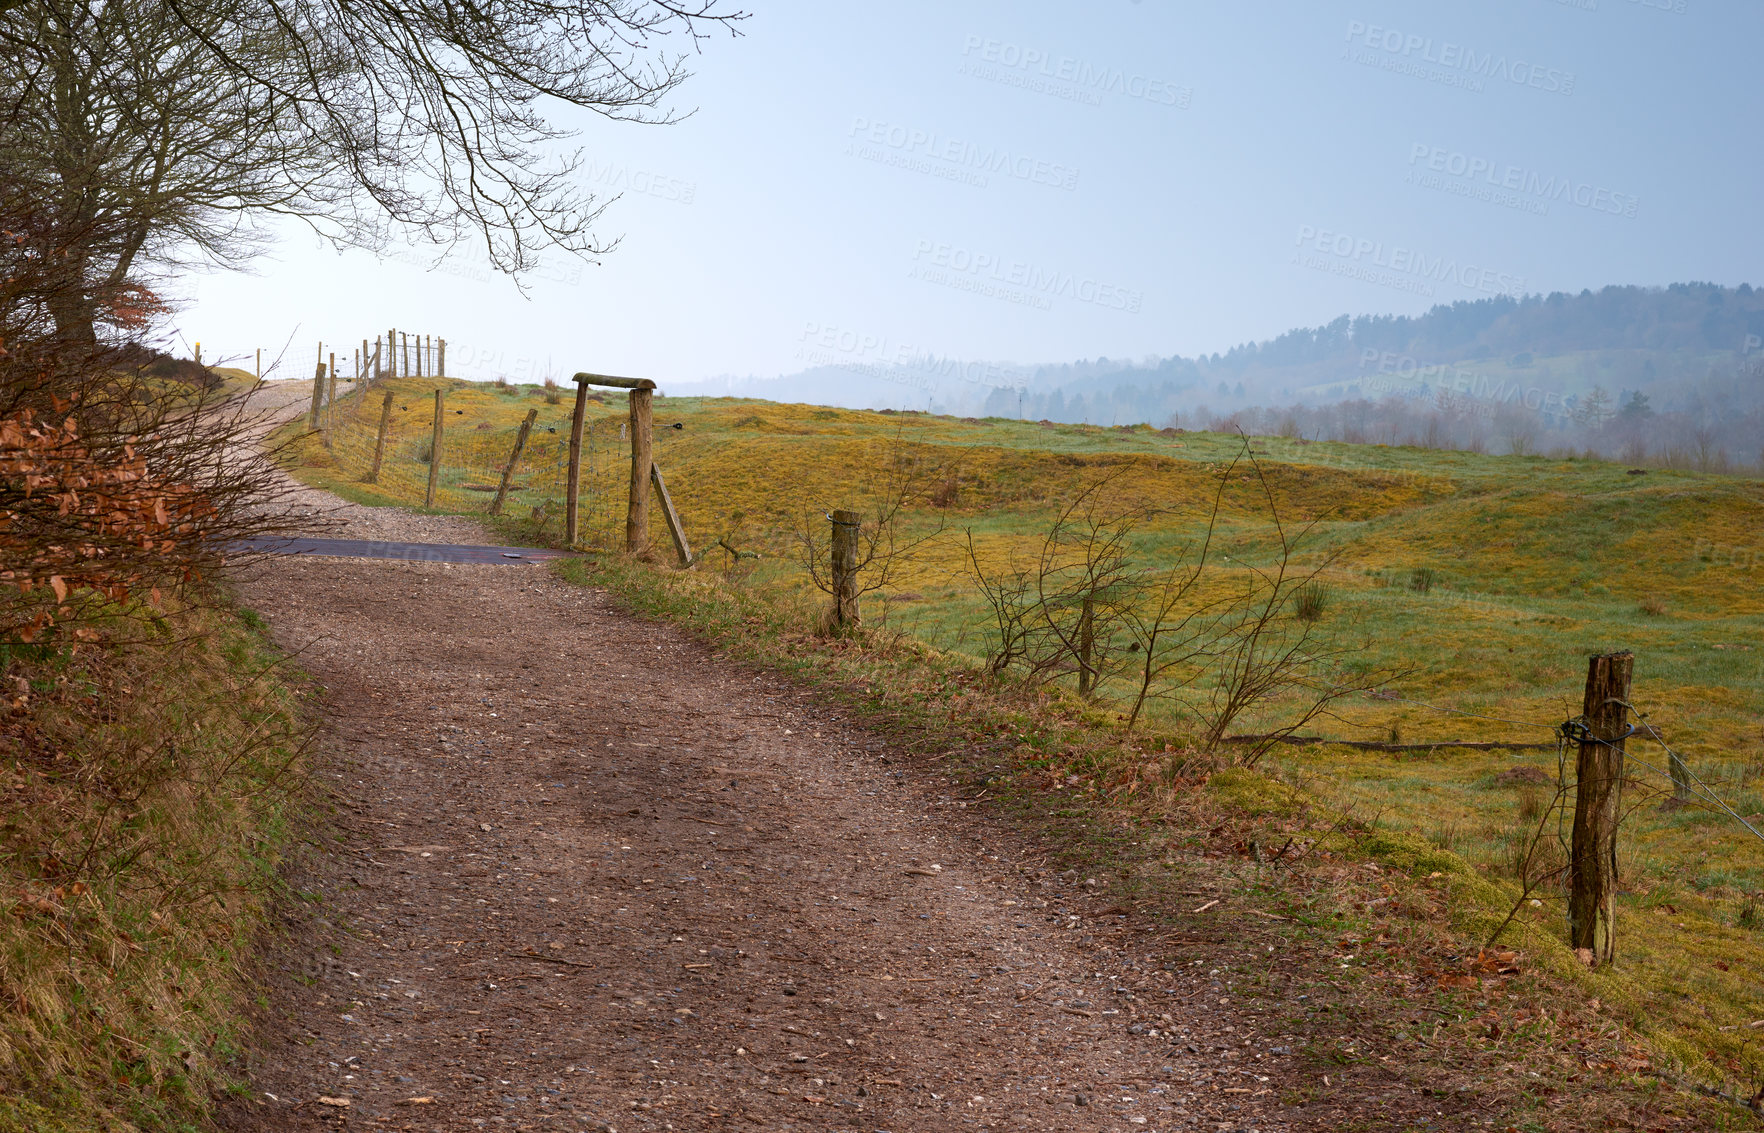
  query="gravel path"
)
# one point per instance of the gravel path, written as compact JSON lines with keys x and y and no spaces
{"x":597,"y":878}
{"x":591,"y":876}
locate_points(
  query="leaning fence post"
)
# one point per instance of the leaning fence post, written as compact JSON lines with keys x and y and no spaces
{"x":373,"y":476}
{"x":1598,"y":789}
{"x":676,"y":530}
{"x":434,"y":453}
{"x":514,"y":458}
{"x":642,"y":460}
{"x":845,"y":555}
{"x":318,"y":391}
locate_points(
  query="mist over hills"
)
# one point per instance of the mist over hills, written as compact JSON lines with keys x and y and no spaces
{"x":1666,"y":374}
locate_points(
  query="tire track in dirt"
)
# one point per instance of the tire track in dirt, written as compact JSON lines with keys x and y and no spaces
{"x":595,"y":878}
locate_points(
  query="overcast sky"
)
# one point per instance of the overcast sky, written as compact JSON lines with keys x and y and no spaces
{"x":1049,"y":180}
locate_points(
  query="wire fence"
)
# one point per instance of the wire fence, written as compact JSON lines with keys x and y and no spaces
{"x":473,"y":454}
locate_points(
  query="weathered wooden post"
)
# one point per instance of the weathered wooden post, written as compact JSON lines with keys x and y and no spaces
{"x":441,"y":358}
{"x":642,"y":428}
{"x":330,"y":398}
{"x":318,"y":391}
{"x":514,"y":458}
{"x":404,"y":340}
{"x":1598,"y":791}
{"x":435,"y":452}
{"x":1681,"y":776}
{"x":260,"y":363}
{"x":373,"y":476}
{"x":846,"y":525}
{"x":642,"y":460}
{"x":573,"y":486}
{"x":675,"y":530}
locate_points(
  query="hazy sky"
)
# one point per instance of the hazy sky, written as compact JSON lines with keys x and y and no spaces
{"x":1062,"y":179}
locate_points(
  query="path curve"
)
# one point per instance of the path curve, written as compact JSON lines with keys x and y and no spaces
{"x":594,"y":877}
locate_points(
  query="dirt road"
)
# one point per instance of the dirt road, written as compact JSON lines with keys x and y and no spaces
{"x":595,"y":878}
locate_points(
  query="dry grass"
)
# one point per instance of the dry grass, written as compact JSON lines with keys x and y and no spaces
{"x":147,"y":795}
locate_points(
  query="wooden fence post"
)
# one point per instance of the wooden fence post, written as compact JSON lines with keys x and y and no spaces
{"x":514,"y":458}
{"x":260,"y":363}
{"x":1681,"y":776}
{"x":441,"y":358}
{"x":373,"y":476}
{"x":404,"y":340}
{"x":675,"y":530}
{"x":642,"y":460}
{"x":434,"y":452}
{"x":330,"y":398}
{"x":1598,"y":791}
{"x":318,"y":391}
{"x":845,"y":554}
{"x":572,"y":489}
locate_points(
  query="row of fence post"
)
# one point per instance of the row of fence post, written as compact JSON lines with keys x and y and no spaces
{"x":403,"y":355}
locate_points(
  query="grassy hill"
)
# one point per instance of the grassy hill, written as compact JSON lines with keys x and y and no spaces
{"x":1486,"y":579}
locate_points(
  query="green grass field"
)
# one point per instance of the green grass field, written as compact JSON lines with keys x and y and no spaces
{"x":1488,"y":580}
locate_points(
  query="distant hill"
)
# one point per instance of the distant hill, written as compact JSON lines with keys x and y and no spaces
{"x":1544,"y":370}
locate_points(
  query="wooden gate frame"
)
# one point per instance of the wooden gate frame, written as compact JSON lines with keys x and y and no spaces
{"x":644,"y":473}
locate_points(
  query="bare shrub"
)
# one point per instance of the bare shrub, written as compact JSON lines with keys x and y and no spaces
{"x":1219,"y":650}
{"x":906,"y":475}
{"x":119,"y":489}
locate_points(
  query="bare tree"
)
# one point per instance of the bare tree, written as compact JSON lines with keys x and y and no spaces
{"x":188,"y":123}
{"x":140,"y":151}
{"x":123,"y":482}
